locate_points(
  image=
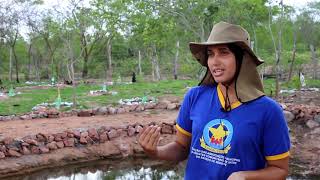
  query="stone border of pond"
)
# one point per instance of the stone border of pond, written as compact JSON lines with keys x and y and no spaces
{"x":104,"y":110}
{"x":45,"y":143}
{"x":37,"y":151}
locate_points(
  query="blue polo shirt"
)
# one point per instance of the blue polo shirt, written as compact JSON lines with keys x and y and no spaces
{"x":225,"y":142}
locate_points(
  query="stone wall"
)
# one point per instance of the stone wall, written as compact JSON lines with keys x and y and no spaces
{"x":105,"y":110}
{"x":46,"y":143}
{"x":302,"y":114}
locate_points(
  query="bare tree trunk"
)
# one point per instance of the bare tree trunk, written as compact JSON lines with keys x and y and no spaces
{"x":74,"y":87}
{"x":71,"y":61}
{"x":109,"y":48}
{"x":277,"y":51}
{"x":37,"y":67}
{"x":279,"y":54}
{"x":314,"y":61}
{"x":293,"y":54}
{"x":153,"y":66}
{"x":10,"y":65}
{"x":85,"y":55}
{"x":255,"y":40}
{"x":202,"y":38}
{"x":156,"y":63}
{"x":175,"y":69}
{"x":139,"y":63}
{"x":29,"y":62}
{"x":17,"y":65}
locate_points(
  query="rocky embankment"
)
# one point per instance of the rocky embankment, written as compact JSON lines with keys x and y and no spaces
{"x":19,"y":155}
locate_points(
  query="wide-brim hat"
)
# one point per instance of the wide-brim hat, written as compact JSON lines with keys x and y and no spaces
{"x":248,"y":83}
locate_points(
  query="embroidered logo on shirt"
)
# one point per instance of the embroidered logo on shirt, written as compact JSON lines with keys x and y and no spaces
{"x":217,"y":135}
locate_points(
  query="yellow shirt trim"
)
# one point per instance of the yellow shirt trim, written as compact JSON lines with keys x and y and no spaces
{"x":277,"y":157}
{"x":182,"y":130}
{"x":222,"y":101}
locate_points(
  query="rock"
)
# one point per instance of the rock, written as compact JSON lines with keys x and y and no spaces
{"x":93,"y":134}
{"x":113,"y":134}
{"x":24,"y":144}
{"x":317,"y":118}
{"x":138,"y":128}
{"x":103,"y":129}
{"x":140,"y":108}
{"x":121,"y":111}
{"x":132,"y":107}
{"x":60,"y":136}
{"x":84,"y":113}
{"x":89,"y":140}
{"x":35,"y":150}
{"x":162,"y":105}
{"x":102,"y":111}
{"x":13,"y":147}
{"x":43,"y":115}
{"x":52,"y":145}
{"x":13,"y":153}
{"x":150,"y":106}
{"x":77,"y":134}
{"x":40,"y":138}
{"x":112,"y":110}
{"x":43,"y":149}
{"x":32,"y":142}
{"x":8,"y":140}
{"x":288,"y":115}
{"x":316,"y":131}
{"x":53,"y":113}
{"x":25,"y":117}
{"x":131,"y":131}
{"x":2,"y":155}
{"x":103,"y":137}
{"x":60,"y":144}
{"x":83,"y":140}
{"x":166,"y":129}
{"x":94,"y":111}
{"x":171,"y":106}
{"x":312,"y":124}
{"x":127,"y":109}
{"x":3,"y":148}
{"x":283,"y":106}
{"x":84,"y":134}
{"x":34,"y":116}
{"x":69,"y":142}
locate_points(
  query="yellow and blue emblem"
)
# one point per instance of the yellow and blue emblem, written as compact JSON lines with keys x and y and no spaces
{"x":217,"y":136}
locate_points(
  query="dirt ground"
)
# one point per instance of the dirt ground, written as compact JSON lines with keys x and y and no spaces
{"x":21,"y":128}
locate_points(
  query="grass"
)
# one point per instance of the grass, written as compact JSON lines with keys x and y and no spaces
{"x":29,"y":98}
{"x":23,"y":103}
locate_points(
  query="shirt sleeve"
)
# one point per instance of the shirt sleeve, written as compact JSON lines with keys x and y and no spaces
{"x":184,"y":123}
{"x":276,"y":134}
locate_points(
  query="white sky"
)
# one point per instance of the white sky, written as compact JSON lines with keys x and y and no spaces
{"x":295,"y":3}
{"x":298,"y":3}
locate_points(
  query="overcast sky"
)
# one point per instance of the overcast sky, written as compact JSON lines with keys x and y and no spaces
{"x":295,"y":3}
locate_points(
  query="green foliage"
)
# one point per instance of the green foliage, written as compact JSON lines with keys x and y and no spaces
{"x":294,"y":83}
{"x":314,"y":83}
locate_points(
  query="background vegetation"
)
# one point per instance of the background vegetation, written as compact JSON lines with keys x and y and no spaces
{"x":108,"y":40}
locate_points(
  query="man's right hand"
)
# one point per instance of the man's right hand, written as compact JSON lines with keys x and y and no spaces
{"x":149,"y":139}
